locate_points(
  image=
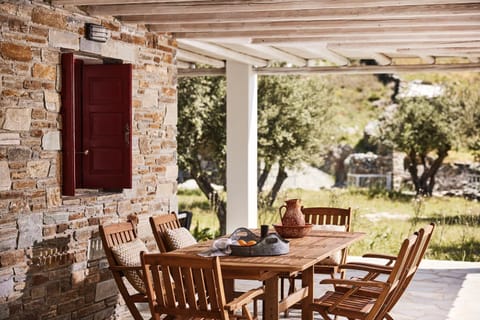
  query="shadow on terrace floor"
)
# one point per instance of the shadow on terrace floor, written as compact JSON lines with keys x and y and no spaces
{"x":441,"y":290}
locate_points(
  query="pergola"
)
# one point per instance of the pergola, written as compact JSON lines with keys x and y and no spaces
{"x":244,"y":38}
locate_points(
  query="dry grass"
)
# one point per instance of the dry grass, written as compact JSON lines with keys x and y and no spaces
{"x":387,"y":218}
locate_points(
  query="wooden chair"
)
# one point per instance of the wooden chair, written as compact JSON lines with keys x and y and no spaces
{"x":324,"y":216}
{"x":374,"y":270}
{"x":190,"y":287}
{"x":354,"y":304}
{"x":160,"y":223}
{"x":113,"y":235}
{"x":335,"y":217}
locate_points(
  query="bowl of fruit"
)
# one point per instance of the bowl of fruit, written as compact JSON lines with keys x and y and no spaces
{"x":247,"y":243}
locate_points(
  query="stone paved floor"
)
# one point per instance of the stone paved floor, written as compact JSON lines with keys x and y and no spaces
{"x":440,"y":290}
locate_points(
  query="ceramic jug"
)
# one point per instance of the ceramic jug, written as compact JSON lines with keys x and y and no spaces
{"x":293,"y":215}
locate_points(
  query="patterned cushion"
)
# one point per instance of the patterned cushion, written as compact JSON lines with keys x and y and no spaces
{"x":179,"y":238}
{"x":336,"y":257}
{"x":128,"y":254}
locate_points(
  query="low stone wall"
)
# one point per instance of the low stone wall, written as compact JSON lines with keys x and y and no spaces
{"x":369,"y":170}
{"x":51,"y":262}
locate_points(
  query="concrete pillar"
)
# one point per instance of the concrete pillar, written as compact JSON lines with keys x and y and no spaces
{"x":241,"y":146}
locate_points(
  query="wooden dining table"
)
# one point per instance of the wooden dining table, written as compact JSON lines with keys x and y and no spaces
{"x":303,"y":254}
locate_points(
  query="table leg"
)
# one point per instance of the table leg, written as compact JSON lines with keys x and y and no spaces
{"x":307,"y":280}
{"x":270,"y":300}
{"x":229,"y":287}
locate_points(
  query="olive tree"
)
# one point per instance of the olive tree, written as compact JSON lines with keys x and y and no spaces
{"x":464,"y":99}
{"x":202,"y":137}
{"x":423,"y":129}
{"x":292,"y":111}
{"x":293,"y":121}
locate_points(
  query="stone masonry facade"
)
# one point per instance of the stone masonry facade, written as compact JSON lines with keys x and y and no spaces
{"x":52,"y":265}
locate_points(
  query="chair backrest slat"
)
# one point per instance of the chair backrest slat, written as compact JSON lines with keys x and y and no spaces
{"x":177,"y":276}
{"x":161,"y":276}
{"x":395,"y":278}
{"x":211,"y":282}
{"x":160,"y":223}
{"x":368,"y":303}
{"x":201,"y":289}
{"x":189,"y":287}
{"x":170,"y":299}
{"x":402,"y":262}
{"x":113,"y":235}
{"x":193,"y":286}
{"x":424,"y":236}
{"x":328,"y":215}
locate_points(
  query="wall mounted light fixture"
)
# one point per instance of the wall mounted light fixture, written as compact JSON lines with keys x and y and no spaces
{"x":96,"y":32}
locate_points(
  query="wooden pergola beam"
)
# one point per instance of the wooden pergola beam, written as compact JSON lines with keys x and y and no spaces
{"x":256,"y":5}
{"x":361,"y":39}
{"x":218,"y":51}
{"x":188,"y":56}
{"x":192,"y":14}
{"x":407,"y":44}
{"x":437,"y":22}
{"x":387,"y":32}
{"x":274,"y":53}
{"x":302,"y":32}
{"x":474,"y":67}
{"x":327,"y":54}
{"x":282,"y":9}
{"x":354,"y":70}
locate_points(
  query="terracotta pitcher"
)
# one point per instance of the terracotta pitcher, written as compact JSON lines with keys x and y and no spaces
{"x":293,"y":215}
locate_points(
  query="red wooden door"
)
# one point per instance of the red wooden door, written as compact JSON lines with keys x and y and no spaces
{"x":106,"y":126}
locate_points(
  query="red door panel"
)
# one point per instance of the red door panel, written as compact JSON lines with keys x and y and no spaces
{"x":68,"y":124}
{"x":77,"y":124}
{"x":106,"y":128}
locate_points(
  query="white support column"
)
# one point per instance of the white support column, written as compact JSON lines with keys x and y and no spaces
{"x":241,"y":146}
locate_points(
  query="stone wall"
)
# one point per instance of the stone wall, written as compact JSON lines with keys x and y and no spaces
{"x":51,"y":264}
{"x":369,"y":170}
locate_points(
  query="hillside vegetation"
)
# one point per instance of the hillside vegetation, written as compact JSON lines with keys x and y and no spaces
{"x":386,"y":218}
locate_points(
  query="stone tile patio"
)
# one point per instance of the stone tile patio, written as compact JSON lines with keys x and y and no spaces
{"x":441,"y":290}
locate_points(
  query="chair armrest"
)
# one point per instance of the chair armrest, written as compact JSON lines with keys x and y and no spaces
{"x":381,"y":256}
{"x":244,"y":299}
{"x":368,"y":267}
{"x":354,"y":286}
{"x":125,"y":268}
{"x":354,"y":283}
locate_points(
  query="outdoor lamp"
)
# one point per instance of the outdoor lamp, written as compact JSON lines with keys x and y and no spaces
{"x":96,"y":32}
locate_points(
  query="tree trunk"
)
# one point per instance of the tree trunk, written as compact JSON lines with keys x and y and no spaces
{"x":339,"y":154}
{"x":281,"y":176}
{"x":218,"y":204}
{"x":222,"y":216}
{"x":425,"y":183}
{"x":410,"y":163}
{"x":263,"y":177}
{"x":428,"y":177}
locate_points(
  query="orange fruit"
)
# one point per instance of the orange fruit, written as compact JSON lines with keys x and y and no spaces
{"x":242,"y":243}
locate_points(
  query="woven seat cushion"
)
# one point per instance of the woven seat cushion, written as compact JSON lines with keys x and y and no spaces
{"x":336,"y":257}
{"x":179,"y":238}
{"x":128,"y":254}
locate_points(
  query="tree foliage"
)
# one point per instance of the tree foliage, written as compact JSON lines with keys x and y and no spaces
{"x":464,"y":100}
{"x":462,"y":94}
{"x":422,"y":128}
{"x":293,"y":122}
{"x":202,"y":137}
